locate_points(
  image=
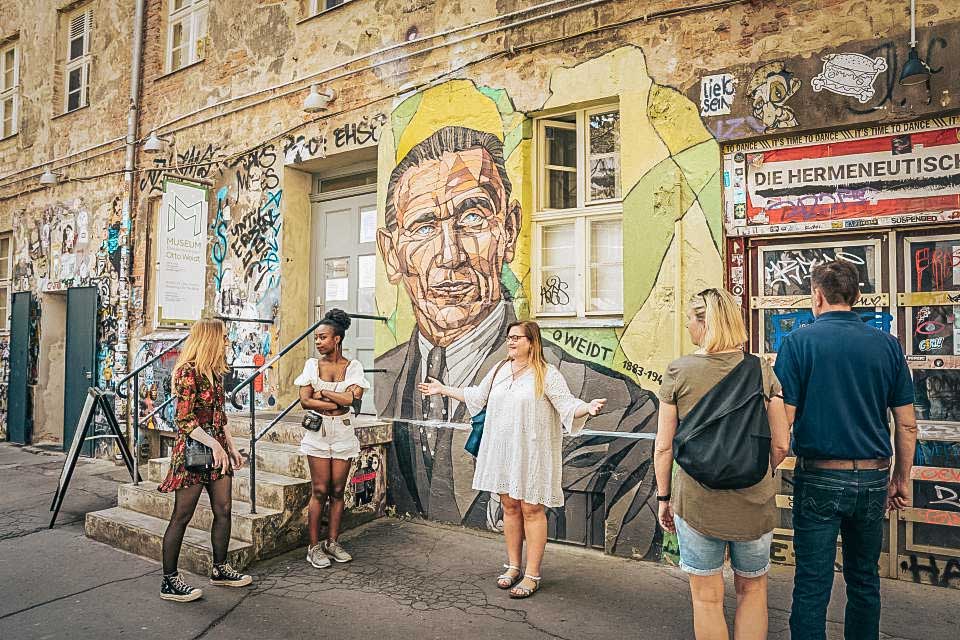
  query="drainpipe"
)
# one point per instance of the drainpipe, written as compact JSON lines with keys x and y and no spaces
{"x":122,"y":355}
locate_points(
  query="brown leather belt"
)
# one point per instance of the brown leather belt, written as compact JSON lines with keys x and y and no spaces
{"x":845,"y":465}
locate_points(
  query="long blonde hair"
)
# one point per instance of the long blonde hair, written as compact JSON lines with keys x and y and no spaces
{"x":204,"y":349}
{"x":537,"y":362}
{"x":717,"y":309}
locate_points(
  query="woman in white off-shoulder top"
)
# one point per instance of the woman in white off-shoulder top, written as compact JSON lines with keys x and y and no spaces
{"x":529,"y":406}
{"x":330,"y":385}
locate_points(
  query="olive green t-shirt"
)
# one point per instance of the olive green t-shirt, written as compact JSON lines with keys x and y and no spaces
{"x":734,"y":514}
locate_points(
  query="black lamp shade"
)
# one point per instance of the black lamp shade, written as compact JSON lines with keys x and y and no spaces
{"x":915,"y":70}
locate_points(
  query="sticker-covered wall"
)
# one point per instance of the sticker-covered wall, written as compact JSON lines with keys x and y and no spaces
{"x":454,"y":293}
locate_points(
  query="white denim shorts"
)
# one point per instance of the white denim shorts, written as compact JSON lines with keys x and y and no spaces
{"x":335,"y":439}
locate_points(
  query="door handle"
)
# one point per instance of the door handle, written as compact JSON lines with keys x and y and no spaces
{"x":88,"y":375}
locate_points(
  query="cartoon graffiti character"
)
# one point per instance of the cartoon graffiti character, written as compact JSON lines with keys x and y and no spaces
{"x":451,"y":226}
{"x":769,"y":89}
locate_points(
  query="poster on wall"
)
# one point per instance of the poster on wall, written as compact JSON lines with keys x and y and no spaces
{"x":900,"y":178}
{"x":181,"y":254}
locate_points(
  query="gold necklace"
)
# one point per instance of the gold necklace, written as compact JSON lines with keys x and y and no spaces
{"x":515,"y":372}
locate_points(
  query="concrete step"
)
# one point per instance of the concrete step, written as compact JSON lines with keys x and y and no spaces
{"x":274,"y":491}
{"x":269,"y":531}
{"x":370,"y":429}
{"x":142,"y":535}
{"x":282,"y":459}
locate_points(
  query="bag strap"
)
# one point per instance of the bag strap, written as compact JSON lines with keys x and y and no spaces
{"x":494,"y":379}
{"x":737,"y":388}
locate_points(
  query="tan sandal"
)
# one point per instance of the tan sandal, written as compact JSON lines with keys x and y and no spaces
{"x":519,"y":591}
{"x":505,"y":580}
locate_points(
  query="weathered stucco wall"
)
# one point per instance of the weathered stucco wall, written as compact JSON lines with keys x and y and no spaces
{"x":253,"y":147}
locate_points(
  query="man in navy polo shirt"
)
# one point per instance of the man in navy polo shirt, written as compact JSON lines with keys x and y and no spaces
{"x":840,"y":376}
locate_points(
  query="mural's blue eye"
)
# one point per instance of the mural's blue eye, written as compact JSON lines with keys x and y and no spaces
{"x":424,"y":231}
{"x":472,"y":218}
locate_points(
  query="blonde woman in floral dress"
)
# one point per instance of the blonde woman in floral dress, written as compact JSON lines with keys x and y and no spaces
{"x":198,"y":388}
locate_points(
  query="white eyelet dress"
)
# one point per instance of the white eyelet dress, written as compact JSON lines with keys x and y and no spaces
{"x":336,"y":438}
{"x":521,"y":449}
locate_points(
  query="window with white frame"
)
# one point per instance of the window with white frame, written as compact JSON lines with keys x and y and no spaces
{"x":9,"y":90}
{"x":77,"y":72}
{"x":186,"y":33}
{"x":578,"y":234}
{"x":317,"y":6}
{"x":6,"y":270}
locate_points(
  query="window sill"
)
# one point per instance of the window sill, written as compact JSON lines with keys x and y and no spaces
{"x":12,"y":136}
{"x":70,"y":113}
{"x":322,"y":12}
{"x":580,"y":323}
{"x":166,"y":75}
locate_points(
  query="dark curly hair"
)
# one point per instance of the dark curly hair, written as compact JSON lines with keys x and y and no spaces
{"x":339,"y":320}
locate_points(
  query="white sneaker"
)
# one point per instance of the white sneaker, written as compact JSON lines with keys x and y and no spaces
{"x":335,"y":551}
{"x":317,"y":558}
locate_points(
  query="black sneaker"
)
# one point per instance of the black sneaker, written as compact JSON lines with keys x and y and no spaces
{"x":175,"y":589}
{"x":225,"y":576}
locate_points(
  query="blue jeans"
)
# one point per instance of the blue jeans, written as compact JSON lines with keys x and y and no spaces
{"x":825,"y":503}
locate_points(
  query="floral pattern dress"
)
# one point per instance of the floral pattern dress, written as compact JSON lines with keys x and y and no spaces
{"x":199,"y":404}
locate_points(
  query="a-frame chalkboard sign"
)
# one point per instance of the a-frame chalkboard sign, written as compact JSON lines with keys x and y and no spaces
{"x":96,"y":398}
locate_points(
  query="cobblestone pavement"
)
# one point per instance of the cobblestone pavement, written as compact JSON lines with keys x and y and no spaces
{"x":409,"y":580}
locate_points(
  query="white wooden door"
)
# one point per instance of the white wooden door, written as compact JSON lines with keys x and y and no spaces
{"x":344,"y":262}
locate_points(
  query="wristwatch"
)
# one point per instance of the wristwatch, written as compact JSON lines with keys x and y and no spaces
{"x":665,"y":498}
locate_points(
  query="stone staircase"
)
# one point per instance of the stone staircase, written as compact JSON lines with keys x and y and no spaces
{"x":140,"y":518}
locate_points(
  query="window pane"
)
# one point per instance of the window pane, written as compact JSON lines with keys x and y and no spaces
{"x":606,"y":241}
{"x":561,"y":189}
{"x":786,"y":272}
{"x":558,"y":246}
{"x":558,"y":271}
{"x":935,"y":265}
{"x":606,"y":288}
{"x":176,"y":59}
{"x":556,"y":291}
{"x":176,"y":5}
{"x":8,"y":121}
{"x":561,"y":146}
{"x":606,"y":266}
{"x":605,"y":156}
{"x":605,"y":133}
{"x":76,"y":48}
{"x":9,"y":59}
{"x":200,"y":34}
{"x":177,"y":45}
{"x":935,"y":331}
{"x":334,"y":3}
{"x":75,"y":79}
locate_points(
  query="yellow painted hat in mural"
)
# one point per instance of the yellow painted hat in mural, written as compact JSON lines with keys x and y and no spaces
{"x":456,"y":101}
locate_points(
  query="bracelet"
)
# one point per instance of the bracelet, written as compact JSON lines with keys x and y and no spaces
{"x":665,"y":498}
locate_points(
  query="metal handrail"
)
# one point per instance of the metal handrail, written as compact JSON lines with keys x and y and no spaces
{"x":252,"y":401}
{"x":277,"y":419}
{"x":133,"y":412}
{"x":123,"y":381}
{"x":158,"y":409}
{"x":269,"y":363}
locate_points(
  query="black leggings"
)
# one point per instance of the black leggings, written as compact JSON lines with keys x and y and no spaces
{"x":221,"y":501}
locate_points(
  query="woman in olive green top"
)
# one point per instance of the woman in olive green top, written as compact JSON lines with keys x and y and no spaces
{"x":707,"y":521}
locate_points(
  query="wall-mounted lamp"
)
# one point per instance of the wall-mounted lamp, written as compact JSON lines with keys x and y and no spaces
{"x":49,"y":178}
{"x":154,"y":143}
{"x":915,"y":70}
{"x":317,"y":101}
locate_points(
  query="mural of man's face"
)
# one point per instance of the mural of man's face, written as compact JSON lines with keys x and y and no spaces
{"x":455,"y":229}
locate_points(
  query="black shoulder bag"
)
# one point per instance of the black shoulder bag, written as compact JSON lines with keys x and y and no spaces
{"x":724,"y":442}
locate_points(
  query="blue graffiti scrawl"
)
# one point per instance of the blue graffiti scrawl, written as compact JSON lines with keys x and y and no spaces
{"x":781,"y":325}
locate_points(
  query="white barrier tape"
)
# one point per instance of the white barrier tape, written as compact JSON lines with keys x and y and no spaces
{"x":461,"y":426}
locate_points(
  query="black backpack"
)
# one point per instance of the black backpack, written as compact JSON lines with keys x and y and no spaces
{"x":724,"y":441}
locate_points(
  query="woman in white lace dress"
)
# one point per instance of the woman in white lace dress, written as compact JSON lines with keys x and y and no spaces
{"x":529,"y":406}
